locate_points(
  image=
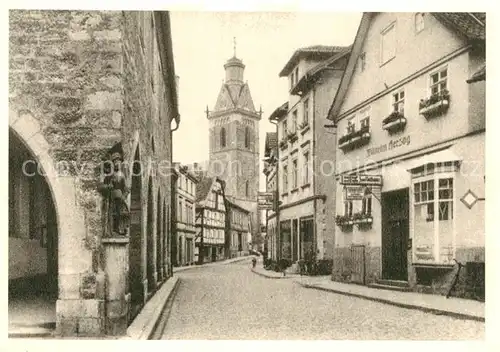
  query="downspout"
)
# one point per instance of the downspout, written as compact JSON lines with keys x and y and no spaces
{"x":277,"y":193}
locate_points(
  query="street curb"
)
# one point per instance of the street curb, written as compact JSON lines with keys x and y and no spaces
{"x":144,"y":325}
{"x":435,"y":311}
{"x":208,"y":265}
{"x":272,"y":277}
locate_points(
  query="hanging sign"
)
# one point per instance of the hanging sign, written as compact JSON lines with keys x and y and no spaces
{"x":266,"y":200}
{"x":361,"y":179}
{"x":354,"y":192}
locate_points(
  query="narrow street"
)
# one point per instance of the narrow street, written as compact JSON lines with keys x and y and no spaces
{"x":230,"y":302}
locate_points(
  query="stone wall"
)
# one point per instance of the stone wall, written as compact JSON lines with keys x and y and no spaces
{"x":87,"y":80}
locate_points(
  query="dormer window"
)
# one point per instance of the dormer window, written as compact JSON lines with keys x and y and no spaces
{"x":419,"y":22}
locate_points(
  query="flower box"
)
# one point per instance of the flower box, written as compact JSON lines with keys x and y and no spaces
{"x":355,"y":139}
{"x":343,"y":221}
{"x":437,"y":104}
{"x":363,"y":220}
{"x":394,"y":122}
{"x":292,"y":137}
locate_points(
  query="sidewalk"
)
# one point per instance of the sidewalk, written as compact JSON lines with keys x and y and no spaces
{"x":271,"y":274}
{"x":144,"y":325}
{"x":221,"y":262}
{"x":435,"y":304}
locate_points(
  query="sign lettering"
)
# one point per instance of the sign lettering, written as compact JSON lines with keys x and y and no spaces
{"x":393,"y":144}
{"x":354,"y":192}
{"x":360,"y":179}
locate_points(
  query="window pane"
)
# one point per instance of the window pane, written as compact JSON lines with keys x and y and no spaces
{"x":434,"y":78}
{"x":417,"y":187}
{"x":430,"y":195}
{"x":424,"y":186}
{"x":417,"y":197}
{"x":444,"y":73}
{"x":430,"y":185}
{"x":430,"y":212}
{"x":442,"y":86}
{"x":424,"y":197}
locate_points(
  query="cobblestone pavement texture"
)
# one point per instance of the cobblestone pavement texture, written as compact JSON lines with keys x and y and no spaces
{"x":230,"y":302}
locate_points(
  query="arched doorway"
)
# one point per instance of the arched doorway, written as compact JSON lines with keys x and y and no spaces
{"x":158,"y":237}
{"x":33,"y":243}
{"x":150,"y":253}
{"x":135,"y":246}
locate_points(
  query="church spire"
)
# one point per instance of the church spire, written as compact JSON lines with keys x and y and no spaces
{"x":234,"y":68}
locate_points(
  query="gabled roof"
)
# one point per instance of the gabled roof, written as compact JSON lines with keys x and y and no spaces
{"x":232,"y":204}
{"x":203,"y":188}
{"x":479,"y":75}
{"x":279,"y":112}
{"x":319,"y":52}
{"x":468,"y":25}
{"x":314,"y":73}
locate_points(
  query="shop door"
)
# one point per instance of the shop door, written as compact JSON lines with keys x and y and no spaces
{"x":306,"y":239}
{"x":295,"y":241}
{"x":395,"y":234}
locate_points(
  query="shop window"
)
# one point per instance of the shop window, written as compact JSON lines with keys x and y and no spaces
{"x":445,"y":199}
{"x":433,"y":218}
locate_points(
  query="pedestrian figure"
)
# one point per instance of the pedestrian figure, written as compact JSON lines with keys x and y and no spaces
{"x":254,"y":262}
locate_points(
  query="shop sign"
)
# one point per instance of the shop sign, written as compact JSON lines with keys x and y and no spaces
{"x":265,"y":200}
{"x":354,"y":192}
{"x":361,"y":179}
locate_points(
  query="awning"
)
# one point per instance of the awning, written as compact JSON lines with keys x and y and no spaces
{"x":442,"y":156}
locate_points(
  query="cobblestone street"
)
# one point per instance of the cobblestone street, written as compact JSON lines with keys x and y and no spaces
{"x":230,"y":302}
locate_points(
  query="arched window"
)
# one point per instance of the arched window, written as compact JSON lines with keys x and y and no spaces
{"x":247,"y":137}
{"x":247,"y":189}
{"x":222,"y":137}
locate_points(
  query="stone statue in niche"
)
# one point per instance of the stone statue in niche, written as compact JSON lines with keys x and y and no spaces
{"x":115,"y":191}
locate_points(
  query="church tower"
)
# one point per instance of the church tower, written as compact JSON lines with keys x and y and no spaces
{"x":234,"y":140}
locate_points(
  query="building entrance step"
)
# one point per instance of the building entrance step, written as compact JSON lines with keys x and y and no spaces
{"x":389,"y":282}
{"x":390,"y":287}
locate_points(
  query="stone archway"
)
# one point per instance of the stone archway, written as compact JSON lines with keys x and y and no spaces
{"x":69,"y":219}
{"x":33,"y":243}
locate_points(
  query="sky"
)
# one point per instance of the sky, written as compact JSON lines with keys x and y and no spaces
{"x":265,"y":41}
